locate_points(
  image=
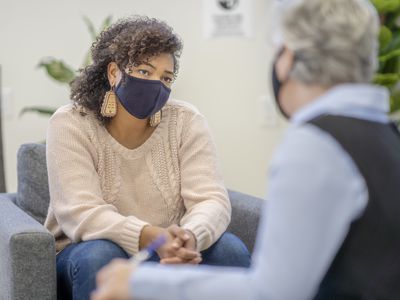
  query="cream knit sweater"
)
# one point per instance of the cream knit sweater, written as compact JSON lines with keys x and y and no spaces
{"x":101,"y":190}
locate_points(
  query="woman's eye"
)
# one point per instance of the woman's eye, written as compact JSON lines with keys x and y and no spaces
{"x":168,"y":79}
{"x":143,"y":72}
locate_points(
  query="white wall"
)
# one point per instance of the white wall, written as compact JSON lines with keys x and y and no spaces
{"x":223,"y":77}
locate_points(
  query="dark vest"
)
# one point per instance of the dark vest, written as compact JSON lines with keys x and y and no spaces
{"x":367,"y":265}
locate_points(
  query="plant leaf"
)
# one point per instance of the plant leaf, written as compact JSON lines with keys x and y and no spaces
{"x":385,"y":37}
{"x":38,"y":109}
{"x":388,"y":79}
{"x":390,"y":55}
{"x":88,"y":59}
{"x":386,"y":6}
{"x":90,"y":27}
{"x":394,"y":44}
{"x":394,"y":102}
{"x":106,"y":23}
{"x":57,"y":70}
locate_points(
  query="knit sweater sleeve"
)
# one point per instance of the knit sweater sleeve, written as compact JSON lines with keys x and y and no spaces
{"x":75,"y":192}
{"x":208,"y":209}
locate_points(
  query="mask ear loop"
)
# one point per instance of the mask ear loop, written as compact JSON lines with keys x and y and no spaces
{"x":277,"y":84}
{"x":123,"y":78}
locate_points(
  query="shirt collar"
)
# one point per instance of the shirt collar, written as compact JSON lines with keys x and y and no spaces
{"x":362,"y":101}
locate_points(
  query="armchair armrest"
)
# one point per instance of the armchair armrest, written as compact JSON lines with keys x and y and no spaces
{"x":9,"y":196}
{"x":27,"y":252}
{"x":246,"y":211}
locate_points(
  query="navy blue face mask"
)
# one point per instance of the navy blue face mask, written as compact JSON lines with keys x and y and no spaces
{"x":142,"y":98}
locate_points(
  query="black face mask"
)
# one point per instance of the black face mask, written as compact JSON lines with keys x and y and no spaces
{"x":277,"y":85}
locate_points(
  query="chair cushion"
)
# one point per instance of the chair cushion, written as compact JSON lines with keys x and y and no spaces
{"x":246,"y":212}
{"x":33,"y":188}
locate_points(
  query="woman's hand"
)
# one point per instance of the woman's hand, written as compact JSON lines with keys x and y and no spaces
{"x":150,"y":233}
{"x":184,"y":246}
{"x":180,"y":247}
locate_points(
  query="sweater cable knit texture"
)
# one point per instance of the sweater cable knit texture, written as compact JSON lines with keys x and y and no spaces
{"x":101,"y":190}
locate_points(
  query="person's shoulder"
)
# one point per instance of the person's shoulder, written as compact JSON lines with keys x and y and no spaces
{"x":71,"y":114}
{"x":73,"y":122}
{"x":182,"y":107}
{"x":307,"y":143}
{"x":67,"y":111}
{"x":186,"y":118}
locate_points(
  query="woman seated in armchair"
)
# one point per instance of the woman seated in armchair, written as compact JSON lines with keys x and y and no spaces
{"x":127,"y":164}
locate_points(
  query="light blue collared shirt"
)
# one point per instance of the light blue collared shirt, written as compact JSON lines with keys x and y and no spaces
{"x":315,"y":192}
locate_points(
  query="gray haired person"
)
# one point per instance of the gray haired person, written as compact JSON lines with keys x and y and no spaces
{"x":331,"y":226}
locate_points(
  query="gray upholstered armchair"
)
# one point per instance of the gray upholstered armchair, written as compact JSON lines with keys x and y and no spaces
{"x":27,"y":249}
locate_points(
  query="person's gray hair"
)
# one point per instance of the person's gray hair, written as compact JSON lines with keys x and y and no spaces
{"x":334,"y":41}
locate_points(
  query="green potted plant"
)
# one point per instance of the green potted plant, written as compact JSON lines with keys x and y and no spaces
{"x":388,"y":74}
{"x":62,"y":72}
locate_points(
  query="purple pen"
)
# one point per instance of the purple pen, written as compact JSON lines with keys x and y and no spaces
{"x":145,"y":254}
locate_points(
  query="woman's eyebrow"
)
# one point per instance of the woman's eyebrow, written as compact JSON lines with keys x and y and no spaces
{"x":149,"y":64}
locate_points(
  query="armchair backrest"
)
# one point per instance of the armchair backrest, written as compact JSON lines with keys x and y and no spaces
{"x":33,"y":187}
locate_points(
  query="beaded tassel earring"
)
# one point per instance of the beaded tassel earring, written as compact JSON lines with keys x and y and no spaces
{"x":109,"y":106}
{"x":155,"y":119}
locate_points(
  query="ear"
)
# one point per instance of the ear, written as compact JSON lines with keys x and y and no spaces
{"x":113,"y":74}
{"x":284,"y":64}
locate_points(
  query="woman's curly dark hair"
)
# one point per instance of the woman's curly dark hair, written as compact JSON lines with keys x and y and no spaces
{"x":129,"y":41}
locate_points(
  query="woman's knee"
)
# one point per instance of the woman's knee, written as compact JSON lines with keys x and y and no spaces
{"x":230,"y":243}
{"x":78,"y":264}
{"x":228,"y":250}
{"x":93,"y":255}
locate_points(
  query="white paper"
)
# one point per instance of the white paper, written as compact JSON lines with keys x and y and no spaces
{"x":226,"y":18}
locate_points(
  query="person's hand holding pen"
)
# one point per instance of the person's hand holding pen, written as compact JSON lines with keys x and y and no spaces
{"x":174,"y":245}
{"x":112,"y":281}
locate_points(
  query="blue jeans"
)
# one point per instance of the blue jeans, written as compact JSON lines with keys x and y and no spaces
{"x":78,"y":264}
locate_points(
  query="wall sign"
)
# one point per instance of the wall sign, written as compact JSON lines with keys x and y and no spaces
{"x":224,"y":18}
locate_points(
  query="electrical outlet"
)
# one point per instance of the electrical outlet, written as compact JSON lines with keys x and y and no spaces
{"x":7,"y":105}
